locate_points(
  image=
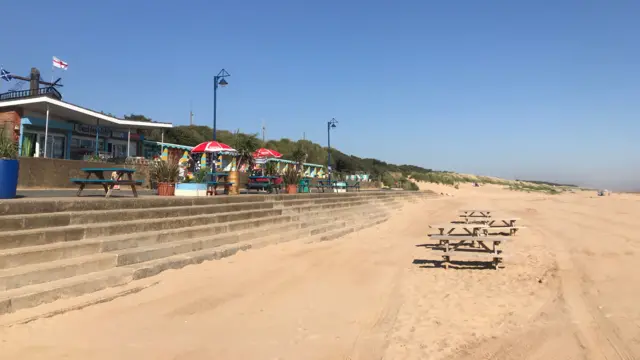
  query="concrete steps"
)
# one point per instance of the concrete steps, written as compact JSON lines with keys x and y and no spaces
{"x":53,"y":270}
{"x":34,"y":295}
{"x":93,"y":245}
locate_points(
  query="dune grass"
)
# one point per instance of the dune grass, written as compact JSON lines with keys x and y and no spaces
{"x":454,"y":179}
{"x":530,"y":187}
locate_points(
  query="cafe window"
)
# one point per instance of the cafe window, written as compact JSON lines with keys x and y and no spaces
{"x":55,"y":146}
{"x":80,"y":147}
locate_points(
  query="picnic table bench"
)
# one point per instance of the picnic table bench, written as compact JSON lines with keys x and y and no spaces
{"x":495,"y":222}
{"x":502,"y":230}
{"x":107,"y":184}
{"x":489,"y":247}
{"x":218,"y":179}
{"x":475,"y":213}
{"x":470,"y":229}
{"x":355,"y":186}
{"x":322,"y":184}
{"x":267,"y":183}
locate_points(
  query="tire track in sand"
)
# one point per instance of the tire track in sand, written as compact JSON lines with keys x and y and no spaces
{"x":568,"y":325}
{"x":372,"y":342}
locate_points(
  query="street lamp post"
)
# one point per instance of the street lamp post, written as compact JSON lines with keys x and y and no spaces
{"x":331,"y":124}
{"x":218,"y":80}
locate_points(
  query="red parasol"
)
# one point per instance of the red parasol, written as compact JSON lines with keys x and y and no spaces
{"x":266,"y":153}
{"x":212,"y":147}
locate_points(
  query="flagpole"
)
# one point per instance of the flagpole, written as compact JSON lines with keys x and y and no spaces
{"x":46,"y":131}
{"x":46,"y":123}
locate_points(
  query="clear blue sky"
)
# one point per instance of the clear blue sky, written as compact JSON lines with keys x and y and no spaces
{"x":531,"y":89}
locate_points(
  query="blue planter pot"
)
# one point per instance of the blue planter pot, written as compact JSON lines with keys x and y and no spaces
{"x":8,"y":178}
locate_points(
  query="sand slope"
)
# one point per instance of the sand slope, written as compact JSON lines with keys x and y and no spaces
{"x":570,"y":290}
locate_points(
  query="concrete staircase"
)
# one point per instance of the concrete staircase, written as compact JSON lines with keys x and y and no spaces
{"x":52,"y":249}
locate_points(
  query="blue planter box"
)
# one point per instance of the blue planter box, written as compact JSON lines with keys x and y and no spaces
{"x":8,"y":178}
{"x":191,"y":189}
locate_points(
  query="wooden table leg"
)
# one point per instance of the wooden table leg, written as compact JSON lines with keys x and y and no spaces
{"x":447,"y":258}
{"x":112,"y":185}
{"x":80,"y":190}
{"x":100,"y":176}
{"x":133,"y":185}
{"x":109,"y":190}
{"x":83,"y":185}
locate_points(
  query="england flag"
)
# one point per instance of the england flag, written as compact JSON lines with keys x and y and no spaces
{"x":60,"y":64}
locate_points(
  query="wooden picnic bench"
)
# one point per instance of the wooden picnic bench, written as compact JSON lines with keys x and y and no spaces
{"x":502,"y":230}
{"x":470,"y":229}
{"x":266,"y":183}
{"x":489,"y":247}
{"x":355,"y":186}
{"x":475,"y":213}
{"x":321,"y":185}
{"x":494,"y":222}
{"x":107,"y":184}
{"x":218,"y":179}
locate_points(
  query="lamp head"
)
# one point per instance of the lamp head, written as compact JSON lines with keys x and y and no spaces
{"x":223,"y":82}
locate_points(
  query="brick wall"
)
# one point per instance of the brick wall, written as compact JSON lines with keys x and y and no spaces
{"x":11,"y":120}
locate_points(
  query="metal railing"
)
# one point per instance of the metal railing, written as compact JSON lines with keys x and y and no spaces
{"x":21,"y":94}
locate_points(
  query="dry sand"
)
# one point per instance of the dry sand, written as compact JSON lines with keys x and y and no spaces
{"x":570,"y":290}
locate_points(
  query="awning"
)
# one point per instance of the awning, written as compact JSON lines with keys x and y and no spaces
{"x":69,"y":112}
{"x":169,"y":145}
{"x":293,"y":162}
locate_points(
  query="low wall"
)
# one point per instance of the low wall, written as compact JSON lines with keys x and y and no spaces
{"x":55,"y":173}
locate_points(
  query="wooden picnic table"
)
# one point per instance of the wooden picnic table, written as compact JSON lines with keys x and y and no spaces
{"x":475,"y":213}
{"x":470,"y":229}
{"x":107,"y":184}
{"x":267,"y":183}
{"x":324,"y":184}
{"x":495,"y":222}
{"x":490,"y":247}
{"x":218,"y":179}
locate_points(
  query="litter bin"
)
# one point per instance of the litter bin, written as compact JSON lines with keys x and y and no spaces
{"x":303,"y":186}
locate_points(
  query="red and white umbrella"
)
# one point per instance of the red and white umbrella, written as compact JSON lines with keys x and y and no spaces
{"x":212,"y":147}
{"x":263,"y":153}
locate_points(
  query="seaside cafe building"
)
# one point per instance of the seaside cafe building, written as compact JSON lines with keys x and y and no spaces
{"x":73,"y":132}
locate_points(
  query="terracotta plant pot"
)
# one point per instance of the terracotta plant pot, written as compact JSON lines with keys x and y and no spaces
{"x":166,"y":189}
{"x":292,"y":189}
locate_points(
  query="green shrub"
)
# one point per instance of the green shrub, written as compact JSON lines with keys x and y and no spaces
{"x":8,"y":147}
{"x":291,"y":176}
{"x":388,"y":180}
{"x":201,"y":175}
{"x":164,"y":171}
{"x":411,"y":186}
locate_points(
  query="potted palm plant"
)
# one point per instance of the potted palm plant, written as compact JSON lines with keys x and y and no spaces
{"x":165,"y":174}
{"x":8,"y":166}
{"x":291,"y":178}
{"x":245,"y":145}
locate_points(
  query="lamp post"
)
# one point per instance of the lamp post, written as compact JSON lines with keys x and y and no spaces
{"x":218,"y":80}
{"x":331,"y":124}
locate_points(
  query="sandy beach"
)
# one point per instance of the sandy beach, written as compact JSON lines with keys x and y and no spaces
{"x":570,"y":289}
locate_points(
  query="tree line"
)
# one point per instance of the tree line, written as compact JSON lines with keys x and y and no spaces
{"x":296,"y":150}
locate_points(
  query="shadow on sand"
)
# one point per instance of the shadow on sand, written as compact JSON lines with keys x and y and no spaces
{"x":453,"y":264}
